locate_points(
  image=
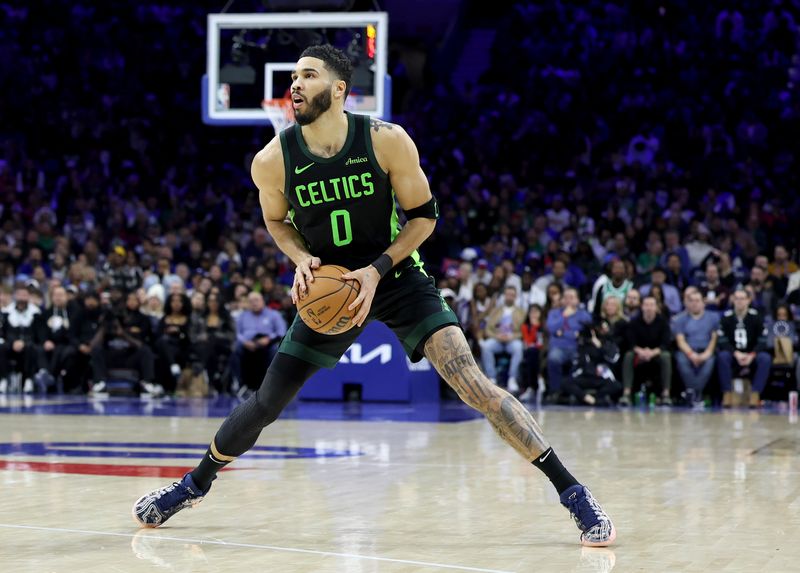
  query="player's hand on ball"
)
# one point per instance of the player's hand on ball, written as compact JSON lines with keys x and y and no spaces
{"x":369,"y":278}
{"x":302,"y":276}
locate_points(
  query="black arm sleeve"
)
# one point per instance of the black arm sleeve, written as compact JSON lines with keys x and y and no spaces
{"x":429,"y":210}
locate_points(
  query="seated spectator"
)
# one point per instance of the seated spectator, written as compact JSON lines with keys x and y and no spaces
{"x":82,"y":333}
{"x":55,"y":350}
{"x":742,"y":349}
{"x":592,"y":369}
{"x":714,"y":292}
{"x":154,"y":306}
{"x":613,"y":321}
{"x":613,"y":284}
{"x":657,"y":292}
{"x":585,"y":260}
{"x":466,"y":281}
{"x":672,"y":298}
{"x":554,"y":295}
{"x":480,"y":306}
{"x":761,"y":291}
{"x":238,"y":303}
{"x":575,"y":276}
{"x":504,"y":334}
{"x":259,"y":331}
{"x":677,"y":276}
{"x":784,"y":341}
{"x":557,"y":275}
{"x":482,"y":272}
{"x":217,"y":344}
{"x":727,"y":273}
{"x":780,"y":269}
{"x":651,"y":258}
{"x":648,"y":337}
{"x":163,"y":275}
{"x":699,"y":249}
{"x":633,"y":303}
{"x":19,"y":340}
{"x":563,"y":327}
{"x":173,"y":343}
{"x":465,"y":286}
{"x":672,"y":245}
{"x":122,"y":342}
{"x":533,"y":342}
{"x":558,"y":216}
{"x":528,"y":293}
{"x":117,"y":273}
{"x":695,"y":331}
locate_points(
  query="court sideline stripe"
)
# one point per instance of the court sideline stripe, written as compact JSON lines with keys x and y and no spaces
{"x":254,"y":546}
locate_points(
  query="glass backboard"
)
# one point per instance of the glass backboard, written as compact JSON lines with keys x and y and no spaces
{"x":251,"y":56}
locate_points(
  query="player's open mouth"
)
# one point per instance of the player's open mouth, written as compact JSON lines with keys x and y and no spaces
{"x":297,"y":101}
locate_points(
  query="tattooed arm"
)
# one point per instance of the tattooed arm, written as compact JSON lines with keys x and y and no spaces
{"x":450,"y":354}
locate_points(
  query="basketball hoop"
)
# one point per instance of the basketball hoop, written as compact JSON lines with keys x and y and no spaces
{"x":279,"y":112}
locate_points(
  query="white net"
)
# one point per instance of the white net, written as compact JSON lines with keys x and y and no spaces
{"x":279,"y":112}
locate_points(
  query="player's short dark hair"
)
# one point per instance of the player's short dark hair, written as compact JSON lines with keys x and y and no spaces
{"x":336,"y":61}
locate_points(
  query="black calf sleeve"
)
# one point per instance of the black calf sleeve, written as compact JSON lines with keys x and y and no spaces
{"x":240,"y":430}
{"x":284,"y":378}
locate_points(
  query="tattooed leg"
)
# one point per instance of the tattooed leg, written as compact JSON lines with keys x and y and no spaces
{"x":448,"y":351}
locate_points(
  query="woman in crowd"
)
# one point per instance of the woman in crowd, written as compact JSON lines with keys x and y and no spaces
{"x":154,"y":305}
{"x":533,"y":341}
{"x":213,"y":334}
{"x":658,"y":293}
{"x":479,"y":308}
{"x":612,"y":319}
{"x":554,"y":293}
{"x":174,"y":336}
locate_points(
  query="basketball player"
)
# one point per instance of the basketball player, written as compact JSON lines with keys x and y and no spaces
{"x":337,"y":175}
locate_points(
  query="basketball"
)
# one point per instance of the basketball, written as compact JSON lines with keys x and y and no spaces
{"x":324,"y":306}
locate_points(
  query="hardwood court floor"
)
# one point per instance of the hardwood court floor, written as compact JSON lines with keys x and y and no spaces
{"x":688,"y":492}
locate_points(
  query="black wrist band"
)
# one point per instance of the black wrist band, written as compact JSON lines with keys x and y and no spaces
{"x":383,"y":264}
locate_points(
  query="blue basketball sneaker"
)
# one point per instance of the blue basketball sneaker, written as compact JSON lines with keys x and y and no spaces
{"x":154,"y":508}
{"x":595,"y":525}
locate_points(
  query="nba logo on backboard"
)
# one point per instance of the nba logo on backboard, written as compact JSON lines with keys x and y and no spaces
{"x":223,"y":97}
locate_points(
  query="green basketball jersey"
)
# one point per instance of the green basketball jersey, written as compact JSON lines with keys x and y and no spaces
{"x":343,"y":206}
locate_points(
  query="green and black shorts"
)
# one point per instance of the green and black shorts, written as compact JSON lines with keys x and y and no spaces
{"x":409,"y":304}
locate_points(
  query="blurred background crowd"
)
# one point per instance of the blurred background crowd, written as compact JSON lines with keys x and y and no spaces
{"x":618,"y":195}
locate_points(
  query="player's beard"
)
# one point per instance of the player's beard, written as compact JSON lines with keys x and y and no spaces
{"x":318,"y":105}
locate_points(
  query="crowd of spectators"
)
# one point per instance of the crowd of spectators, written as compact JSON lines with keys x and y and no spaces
{"x":616,"y":156}
{"x":628,"y":150}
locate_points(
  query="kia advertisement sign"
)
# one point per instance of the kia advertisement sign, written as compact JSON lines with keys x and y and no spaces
{"x":378,"y":364}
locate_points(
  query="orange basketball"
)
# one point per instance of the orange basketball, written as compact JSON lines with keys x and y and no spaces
{"x":324,"y":306}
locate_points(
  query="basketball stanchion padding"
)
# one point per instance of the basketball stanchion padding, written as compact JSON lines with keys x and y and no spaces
{"x":324,"y":306}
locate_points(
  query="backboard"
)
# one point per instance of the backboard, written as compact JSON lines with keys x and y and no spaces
{"x":250,"y":58}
